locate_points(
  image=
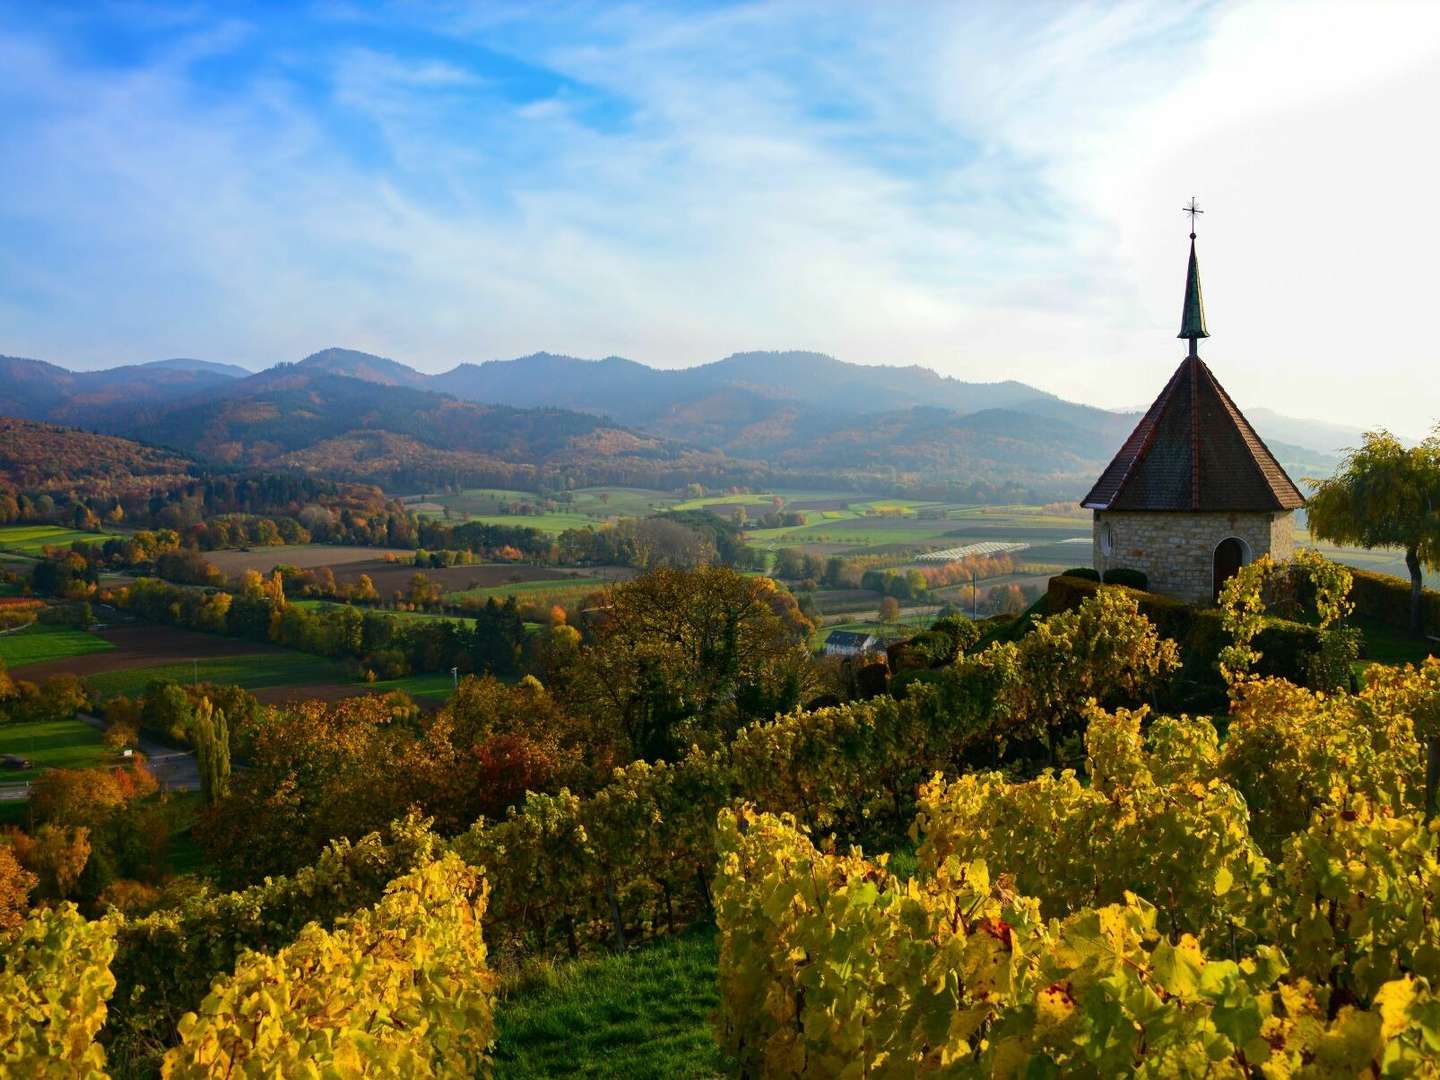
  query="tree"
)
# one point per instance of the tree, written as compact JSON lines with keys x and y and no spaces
{"x":167,"y":710}
{"x":212,"y":751}
{"x":710,"y":647}
{"x":889,"y":610}
{"x":56,"y":855}
{"x":15,"y":885}
{"x":1386,"y":495}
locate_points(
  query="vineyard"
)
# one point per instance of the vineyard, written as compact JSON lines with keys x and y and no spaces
{"x":1248,"y":895}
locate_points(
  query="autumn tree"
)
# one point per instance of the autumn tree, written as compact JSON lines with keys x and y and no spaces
{"x":1386,"y":495}
{"x":681,"y":654}
{"x":56,"y":855}
{"x":889,"y":610}
{"x":15,"y":885}
{"x":316,"y":771}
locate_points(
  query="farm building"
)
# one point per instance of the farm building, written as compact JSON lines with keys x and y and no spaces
{"x":1194,"y":494}
{"x":850,"y":643}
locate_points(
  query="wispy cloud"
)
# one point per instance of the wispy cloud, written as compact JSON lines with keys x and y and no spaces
{"x":993,"y":190}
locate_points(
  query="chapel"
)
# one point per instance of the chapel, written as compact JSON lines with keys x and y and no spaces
{"x":1194,"y":493}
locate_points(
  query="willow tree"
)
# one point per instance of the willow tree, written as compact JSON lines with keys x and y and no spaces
{"x":1386,"y":494}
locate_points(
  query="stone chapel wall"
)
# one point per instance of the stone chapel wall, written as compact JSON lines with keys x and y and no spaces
{"x":1176,"y":550}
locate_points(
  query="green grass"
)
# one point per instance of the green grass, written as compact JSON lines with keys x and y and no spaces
{"x":51,"y":744}
{"x":40,"y":642}
{"x":32,"y":539}
{"x":642,"y":1014}
{"x":1385,"y":644}
{"x":435,"y":684}
{"x":253,"y":672}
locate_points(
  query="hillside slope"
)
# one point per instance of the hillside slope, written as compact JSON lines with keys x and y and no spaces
{"x":39,"y":457}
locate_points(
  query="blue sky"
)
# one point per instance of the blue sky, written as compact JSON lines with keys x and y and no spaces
{"x":989,"y":189}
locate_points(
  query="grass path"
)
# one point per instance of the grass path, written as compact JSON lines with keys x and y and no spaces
{"x":642,"y":1015}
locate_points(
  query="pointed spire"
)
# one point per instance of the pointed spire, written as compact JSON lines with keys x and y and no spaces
{"x":1192,"y":318}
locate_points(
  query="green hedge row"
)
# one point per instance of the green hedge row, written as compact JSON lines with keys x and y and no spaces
{"x":1285,"y":646}
{"x":1386,"y":599}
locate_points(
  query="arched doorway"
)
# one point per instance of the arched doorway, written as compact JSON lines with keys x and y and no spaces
{"x":1230,"y":554}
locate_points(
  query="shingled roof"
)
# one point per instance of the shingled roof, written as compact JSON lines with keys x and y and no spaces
{"x":1194,"y":450}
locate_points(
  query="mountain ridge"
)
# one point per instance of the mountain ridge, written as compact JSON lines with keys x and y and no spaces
{"x":803,"y":412}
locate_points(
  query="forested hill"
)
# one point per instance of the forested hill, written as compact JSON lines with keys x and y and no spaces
{"x":41,"y":457}
{"x":793,"y":416}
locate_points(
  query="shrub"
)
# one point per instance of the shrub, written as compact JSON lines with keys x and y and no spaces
{"x":1084,"y":572}
{"x":1122,"y":575}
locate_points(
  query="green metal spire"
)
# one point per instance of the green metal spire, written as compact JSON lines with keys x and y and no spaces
{"x":1192,"y":318}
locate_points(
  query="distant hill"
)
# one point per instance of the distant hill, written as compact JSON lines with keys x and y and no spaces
{"x":809,"y":415}
{"x":41,"y":457}
{"x":36,"y":390}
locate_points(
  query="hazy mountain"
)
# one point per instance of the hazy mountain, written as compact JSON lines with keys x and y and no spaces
{"x":1331,"y":439}
{"x":234,"y":371}
{"x":36,"y":390}
{"x":366,"y":415}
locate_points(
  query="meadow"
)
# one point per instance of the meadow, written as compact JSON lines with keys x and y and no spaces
{"x":33,"y":539}
{"x":253,"y":671}
{"x":51,"y":744}
{"x":39,"y":643}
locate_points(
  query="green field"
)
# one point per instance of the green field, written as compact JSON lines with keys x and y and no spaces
{"x":571,"y":510}
{"x":51,"y":744}
{"x":32,"y":539}
{"x":39,"y":642}
{"x":434,"y":685}
{"x":641,"y":1015}
{"x":253,"y":671}
{"x":320,"y":605}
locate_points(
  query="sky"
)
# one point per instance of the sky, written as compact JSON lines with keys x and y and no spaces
{"x":991,"y":190}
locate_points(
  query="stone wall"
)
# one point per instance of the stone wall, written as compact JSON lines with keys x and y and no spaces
{"x":1176,"y":550}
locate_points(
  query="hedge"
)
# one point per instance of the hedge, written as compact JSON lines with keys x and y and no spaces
{"x":1386,"y":599}
{"x":1284,"y":645}
{"x":1122,"y":575}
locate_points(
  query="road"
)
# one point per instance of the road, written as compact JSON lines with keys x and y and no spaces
{"x":176,"y":770}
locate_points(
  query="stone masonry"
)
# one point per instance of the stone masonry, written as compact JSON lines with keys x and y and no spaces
{"x":1176,"y":549}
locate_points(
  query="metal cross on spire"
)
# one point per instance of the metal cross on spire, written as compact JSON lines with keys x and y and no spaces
{"x":1192,"y":210}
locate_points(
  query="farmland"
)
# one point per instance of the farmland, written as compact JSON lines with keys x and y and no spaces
{"x":564,"y":592}
{"x":301,"y":556}
{"x":33,"y":539}
{"x":40,"y":643}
